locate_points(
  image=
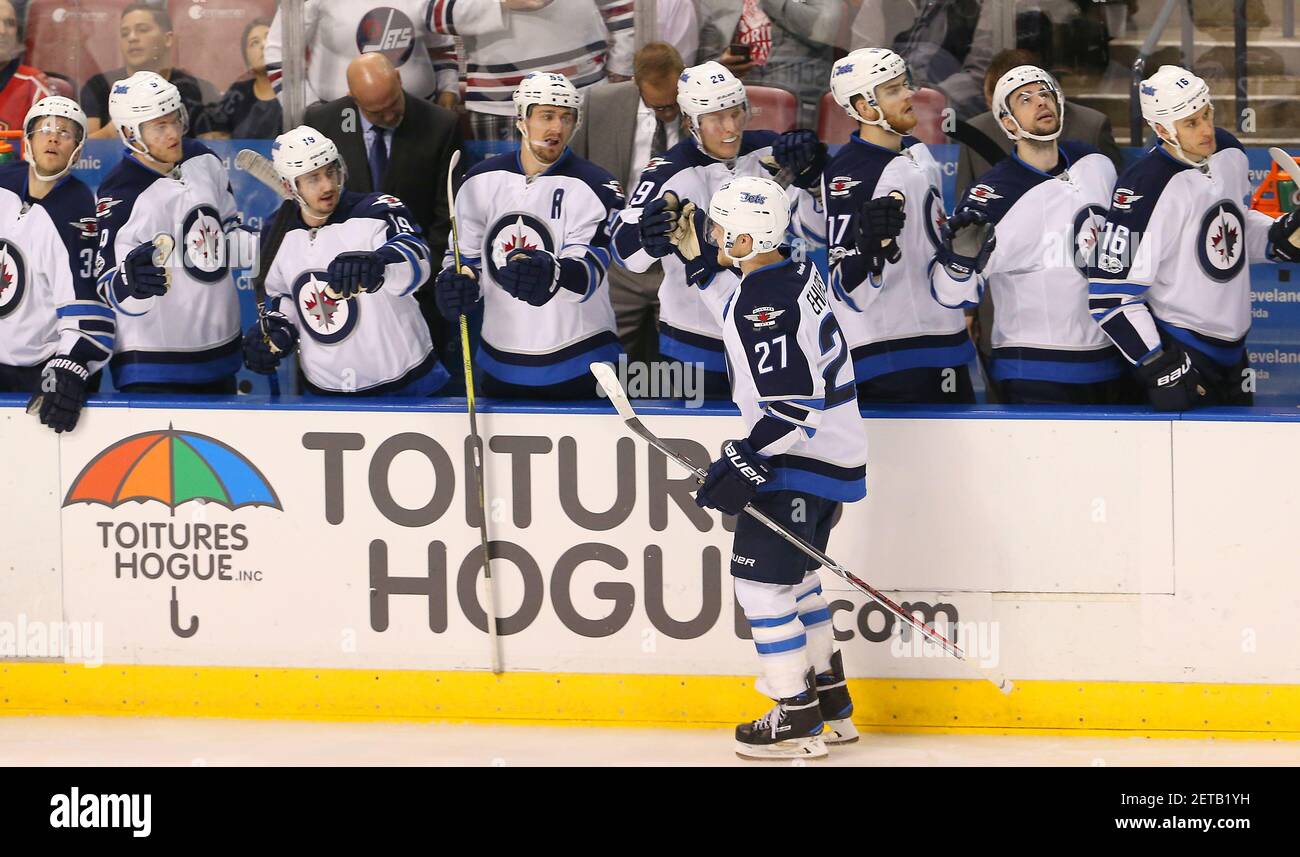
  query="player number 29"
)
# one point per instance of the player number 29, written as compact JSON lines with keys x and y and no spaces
{"x":642,"y":191}
{"x":764,"y":351}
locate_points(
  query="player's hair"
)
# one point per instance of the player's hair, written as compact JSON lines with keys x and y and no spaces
{"x":1002,"y":63}
{"x":657,"y":62}
{"x":160,"y":15}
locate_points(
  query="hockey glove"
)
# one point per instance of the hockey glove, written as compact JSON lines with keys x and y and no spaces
{"x":1172,"y":382}
{"x":354,"y":272}
{"x":142,"y":278}
{"x":268,"y":341}
{"x":966,"y":242}
{"x":733,"y":479}
{"x":1284,"y":238}
{"x":456,"y":293}
{"x":658,"y":220}
{"x":532,"y":276}
{"x":62,"y":394}
{"x":801,"y":153}
{"x":880,"y":222}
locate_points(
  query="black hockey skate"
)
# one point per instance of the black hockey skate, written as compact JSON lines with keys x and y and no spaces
{"x":836,"y":706}
{"x":791,"y":730}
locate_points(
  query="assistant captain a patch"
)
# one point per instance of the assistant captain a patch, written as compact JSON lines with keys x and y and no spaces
{"x":764,"y":316}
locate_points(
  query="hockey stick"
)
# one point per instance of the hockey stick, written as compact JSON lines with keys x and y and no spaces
{"x":490,"y":608}
{"x":614,"y":390}
{"x":263,"y":171}
{"x":1286,"y":162}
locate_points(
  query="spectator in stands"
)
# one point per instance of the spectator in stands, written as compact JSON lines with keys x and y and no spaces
{"x":20,"y":85}
{"x":639,"y":120}
{"x":774,"y":43}
{"x":393,"y":142}
{"x":584,"y":40}
{"x":146,"y":39}
{"x":249,"y":110}
{"x":677,"y":23}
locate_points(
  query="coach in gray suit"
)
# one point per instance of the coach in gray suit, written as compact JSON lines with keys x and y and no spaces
{"x":626,"y":124}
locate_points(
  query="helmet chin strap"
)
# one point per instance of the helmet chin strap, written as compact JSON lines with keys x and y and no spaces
{"x":523,"y":132}
{"x":72,"y":162}
{"x":882,"y":123}
{"x":1172,"y":140}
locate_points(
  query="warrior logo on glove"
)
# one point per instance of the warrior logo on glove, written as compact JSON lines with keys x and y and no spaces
{"x":328,"y":320}
{"x":13,"y":277}
{"x":515,"y":231}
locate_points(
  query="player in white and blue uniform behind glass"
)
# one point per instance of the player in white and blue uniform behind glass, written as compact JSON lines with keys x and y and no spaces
{"x":884,"y":209}
{"x":1171,"y":281}
{"x":177,"y":329}
{"x":341,"y":288}
{"x":804,"y":455}
{"x":1026,"y":229}
{"x":534,"y":246}
{"x":55,"y":332}
{"x":716,"y":109}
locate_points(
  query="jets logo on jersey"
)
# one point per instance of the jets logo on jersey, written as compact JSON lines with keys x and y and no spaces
{"x":841,"y":185}
{"x":388,"y":200}
{"x":1123,"y":199}
{"x":205,"y":244}
{"x":1088,"y":223}
{"x":387,"y":31}
{"x":983,"y":194}
{"x":328,"y":320}
{"x":517,"y":230}
{"x":104,"y":206}
{"x":1220,"y":244}
{"x":13,"y":277}
{"x":654,"y":164}
{"x":86,"y":227}
{"x":935,"y":216}
{"x":613,"y":185}
{"x":764,"y":316}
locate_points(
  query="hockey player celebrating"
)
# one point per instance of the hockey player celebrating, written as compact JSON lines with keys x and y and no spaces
{"x":178,"y":325}
{"x":1171,"y":282}
{"x":883,"y":213}
{"x":55,"y":333}
{"x":805,"y":454}
{"x":342,"y":286}
{"x":534,"y":246}
{"x":1045,"y":202}
{"x":695,"y":286}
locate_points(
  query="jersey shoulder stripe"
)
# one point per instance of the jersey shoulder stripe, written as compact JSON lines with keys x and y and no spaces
{"x":120,"y":189}
{"x":1139,"y":188}
{"x":860,"y":166}
{"x":997,"y":190}
{"x":601,"y":181}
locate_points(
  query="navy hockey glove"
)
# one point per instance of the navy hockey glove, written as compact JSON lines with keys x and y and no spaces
{"x":267,"y":342}
{"x":733,"y":479}
{"x":62,"y":394}
{"x":141,"y":278}
{"x":1280,"y":235}
{"x":658,"y":220}
{"x":880,"y":222}
{"x":532,"y":276}
{"x":966,"y":242}
{"x":802,"y":154}
{"x":1172,"y":382}
{"x":455,"y":293}
{"x":354,"y":272}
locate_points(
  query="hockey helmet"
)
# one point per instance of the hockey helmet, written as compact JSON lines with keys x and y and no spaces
{"x":1020,"y":76}
{"x":143,"y":96}
{"x":861,"y":73}
{"x":65,"y":108}
{"x":753,"y":206}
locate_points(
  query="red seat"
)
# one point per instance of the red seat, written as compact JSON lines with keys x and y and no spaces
{"x":772,"y":109}
{"x":208,"y":36}
{"x":833,"y":125}
{"x":76,"y":38}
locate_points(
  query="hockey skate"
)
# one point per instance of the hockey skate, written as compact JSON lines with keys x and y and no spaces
{"x":791,"y":730}
{"x":836,"y":706}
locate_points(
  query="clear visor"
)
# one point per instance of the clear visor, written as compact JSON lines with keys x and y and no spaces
{"x":60,"y":127}
{"x":177,"y":120}
{"x":322,"y":179}
{"x":731,"y":119}
{"x":709,"y":226}
{"x":1027,"y":96}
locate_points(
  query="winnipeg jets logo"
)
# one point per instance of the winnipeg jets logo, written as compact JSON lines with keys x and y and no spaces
{"x":1123,"y":199}
{"x":764,"y":316}
{"x":388,"y":200}
{"x":205,"y":245}
{"x":1088,"y":222}
{"x":328,"y":320}
{"x":105,"y":205}
{"x":613,"y":185}
{"x":516,"y":230}
{"x":983,"y":194}
{"x":86,"y":227}
{"x":387,"y":31}
{"x":654,"y":164}
{"x":13,"y":277}
{"x":935,"y":217}
{"x":1220,"y":246}
{"x":841,"y":185}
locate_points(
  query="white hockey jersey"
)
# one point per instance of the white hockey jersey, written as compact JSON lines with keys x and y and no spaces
{"x":1046,"y":227}
{"x":1174,"y":255}
{"x":564,"y":211}
{"x":892,"y":323}
{"x":338,"y":31}
{"x":376,"y":343}
{"x":191,"y":334}
{"x":690,"y":317}
{"x":580,"y":39}
{"x":48,"y":303}
{"x":794,"y":385}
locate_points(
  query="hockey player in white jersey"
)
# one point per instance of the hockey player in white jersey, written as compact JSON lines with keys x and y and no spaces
{"x":694,"y":288}
{"x":341,"y":288}
{"x":534,"y":246}
{"x":1026,"y":229}
{"x":178,"y":326}
{"x":1171,"y":282}
{"x":55,"y":332}
{"x":884,"y":209}
{"x":805,"y":453}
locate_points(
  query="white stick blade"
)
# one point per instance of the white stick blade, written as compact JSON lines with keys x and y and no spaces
{"x":608,"y":381}
{"x":1286,"y":162}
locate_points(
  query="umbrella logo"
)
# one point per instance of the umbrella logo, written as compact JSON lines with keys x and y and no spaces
{"x":172,"y":467}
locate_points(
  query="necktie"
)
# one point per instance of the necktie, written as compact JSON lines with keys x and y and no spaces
{"x":659,"y":143}
{"x":378,"y":159}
